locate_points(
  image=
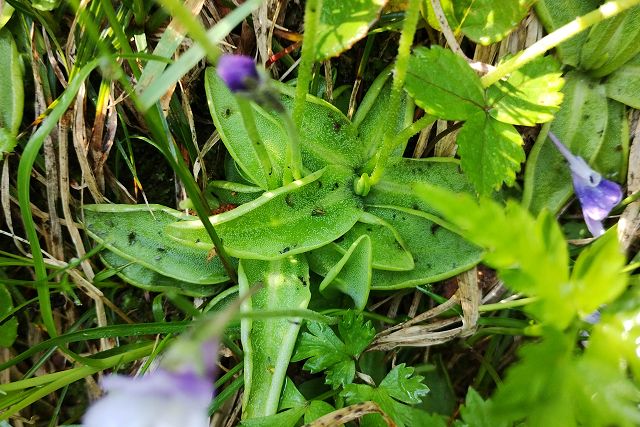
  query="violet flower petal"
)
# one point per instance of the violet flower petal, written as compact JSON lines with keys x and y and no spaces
{"x":597,"y":196}
{"x":239,"y":72}
{"x":159,"y":399}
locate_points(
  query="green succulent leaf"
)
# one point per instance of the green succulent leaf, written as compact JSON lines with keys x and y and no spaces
{"x":351,"y":275}
{"x":324,"y":351}
{"x":389,"y":251}
{"x":438,"y":253}
{"x":611,"y":43}
{"x":268,"y":344}
{"x":150,"y":280}
{"x":443,"y":84}
{"x":530,"y":95}
{"x":623,"y":85}
{"x":342,"y":23}
{"x":136,"y":233}
{"x":296,"y":218}
{"x":490,"y":152}
{"x":399,"y":389}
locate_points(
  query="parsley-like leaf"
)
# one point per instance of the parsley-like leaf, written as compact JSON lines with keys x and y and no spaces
{"x":397,"y":390}
{"x":326,"y":352}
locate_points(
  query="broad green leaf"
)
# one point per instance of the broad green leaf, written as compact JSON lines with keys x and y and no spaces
{"x":490,"y":152}
{"x":317,"y":409}
{"x":611,"y":43}
{"x":530,"y":255}
{"x":8,"y":328}
{"x":612,"y":159}
{"x":623,"y":85}
{"x":438,"y":253}
{"x":443,"y":84}
{"x":136,"y":233}
{"x":449,"y":13}
{"x":6,"y":11}
{"x":389,"y":252}
{"x":291,"y":396}
{"x":327,"y":137}
{"x":226,"y":115}
{"x":401,"y":177}
{"x":288,"y":418}
{"x":352,"y":274}
{"x":45,"y":5}
{"x":489,"y":21}
{"x":150,"y":280}
{"x":581,"y":124}
{"x":597,"y":275}
{"x":11,"y":82}
{"x":324,"y":351}
{"x":399,"y":389}
{"x":296,"y":218}
{"x":372,"y":117}
{"x":530,"y":95}
{"x":233,"y":192}
{"x":342,"y":23}
{"x":556,"y":13}
{"x":268,"y":344}
{"x":476,"y":412}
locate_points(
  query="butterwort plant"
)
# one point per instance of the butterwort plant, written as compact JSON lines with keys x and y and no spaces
{"x":597,"y":196}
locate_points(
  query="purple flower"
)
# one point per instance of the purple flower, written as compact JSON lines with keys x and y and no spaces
{"x":239,"y":72}
{"x":596,"y":194}
{"x":159,"y":399}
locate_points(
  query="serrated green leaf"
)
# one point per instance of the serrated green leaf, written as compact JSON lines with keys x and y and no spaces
{"x":611,"y":43}
{"x":437,"y":252}
{"x":342,"y":23}
{"x":530,"y":95}
{"x":443,"y":84}
{"x":389,"y":251}
{"x":268,"y":344}
{"x":11,"y":82}
{"x":291,"y":396}
{"x":352,"y":274}
{"x":326,"y":352}
{"x":476,"y":412}
{"x":9,"y":328}
{"x":489,"y":21}
{"x":597,"y":275}
{"x":490,"y":152}
{"x":296,"y":218}
{"x":556,"y":13}
{"x":402,"y":385}
{"x":136,"y":233}
{"x":623,"y":85}
{"x":399,"y":388}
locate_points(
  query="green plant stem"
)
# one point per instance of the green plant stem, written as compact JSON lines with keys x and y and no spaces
{"x":399,"y":74}
{"x":311,"y":22}
{"x":25,"y":167}
{"x":552,"y":40}
{"x":507,"y":305}
{"x":246,"y":111}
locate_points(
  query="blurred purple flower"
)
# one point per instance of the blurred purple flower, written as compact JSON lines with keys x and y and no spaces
{"x":598,"y":196}
{"x":239,"y":72}
{"x":159,"y":399}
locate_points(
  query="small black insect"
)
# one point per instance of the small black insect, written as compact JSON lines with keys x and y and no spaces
{"x":289,"y":200}
{"x":285,"y":250}
{"x":318,"y":211}
{"x":132,"y":238}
